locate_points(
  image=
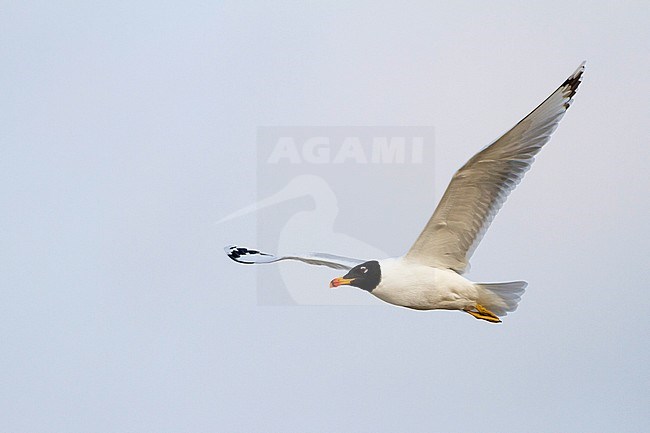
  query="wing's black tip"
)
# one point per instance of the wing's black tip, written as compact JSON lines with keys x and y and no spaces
{"x":236,"y":253}
{"x":570,"y":86}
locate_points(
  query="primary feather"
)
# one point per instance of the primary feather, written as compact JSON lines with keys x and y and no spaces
{"x":249,"y":257}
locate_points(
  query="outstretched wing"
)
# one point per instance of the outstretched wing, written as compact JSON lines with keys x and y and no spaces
{"x":478,"y":190}
{"x":249,"y":257}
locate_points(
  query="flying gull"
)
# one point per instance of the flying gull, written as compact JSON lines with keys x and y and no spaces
{"x":430,"y":275}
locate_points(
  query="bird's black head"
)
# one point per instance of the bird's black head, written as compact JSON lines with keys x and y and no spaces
{"x":365,"y":276}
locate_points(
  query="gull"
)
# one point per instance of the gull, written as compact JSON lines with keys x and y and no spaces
{"x":430,"y":275}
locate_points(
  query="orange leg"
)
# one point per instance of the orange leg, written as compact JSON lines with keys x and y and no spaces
{"x":484,"y":314}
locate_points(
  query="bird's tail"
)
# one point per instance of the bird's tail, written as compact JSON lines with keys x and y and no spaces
{"x":501,"y":298}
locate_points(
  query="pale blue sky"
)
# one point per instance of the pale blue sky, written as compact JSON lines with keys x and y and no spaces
{"x":128,"y":129}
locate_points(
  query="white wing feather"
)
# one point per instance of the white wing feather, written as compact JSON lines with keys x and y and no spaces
{"x":248,"y":256}
{"x":478,"y":190}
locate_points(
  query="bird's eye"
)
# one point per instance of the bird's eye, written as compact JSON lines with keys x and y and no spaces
{"x":363,"y":269}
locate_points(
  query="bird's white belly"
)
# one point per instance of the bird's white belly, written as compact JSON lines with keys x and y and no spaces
{"x":423,"y":287}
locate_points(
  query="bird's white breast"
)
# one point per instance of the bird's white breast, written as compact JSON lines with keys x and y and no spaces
{"x":422,"y":287}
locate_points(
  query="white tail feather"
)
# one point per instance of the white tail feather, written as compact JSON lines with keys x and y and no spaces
{"x":501,"y":298}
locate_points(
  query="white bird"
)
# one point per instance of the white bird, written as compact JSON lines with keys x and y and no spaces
{"x":429,"y":275}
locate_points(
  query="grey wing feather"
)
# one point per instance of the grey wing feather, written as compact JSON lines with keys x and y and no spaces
{"x":478,"y":190}
{"x":249,"y":256}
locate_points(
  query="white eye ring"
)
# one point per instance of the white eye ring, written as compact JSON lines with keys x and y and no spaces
{"x":363,"y":269}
